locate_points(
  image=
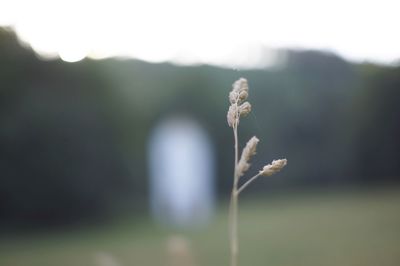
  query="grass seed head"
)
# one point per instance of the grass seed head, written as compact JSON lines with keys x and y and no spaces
{"x":237,"y":109}
{"x":248,"y":152}
{"x":244,"y":109}
{"x":273,"y":167}
{"x":232,"y":116}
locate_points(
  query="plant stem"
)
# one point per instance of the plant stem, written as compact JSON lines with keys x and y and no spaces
{"x":234,"y":206}
{"x":247,"y":183}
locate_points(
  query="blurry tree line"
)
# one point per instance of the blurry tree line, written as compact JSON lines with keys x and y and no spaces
{"x":73,"y":136}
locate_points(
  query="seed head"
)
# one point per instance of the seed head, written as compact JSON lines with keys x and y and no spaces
{"x":232,"y":116}
{"x":233,"y":97}
{"x":244,"y":109}
{"x":248,"y":151}
{"x":273,"y":167}
{"x":240,"y":85}
{"x":240,"y":91}
{"x":237,"y":109}
{"x":243,"y":95}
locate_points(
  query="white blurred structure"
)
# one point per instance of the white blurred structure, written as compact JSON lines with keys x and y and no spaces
{"x":181,"y":164}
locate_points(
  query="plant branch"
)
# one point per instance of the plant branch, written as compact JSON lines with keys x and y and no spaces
{"x":248,"y":183}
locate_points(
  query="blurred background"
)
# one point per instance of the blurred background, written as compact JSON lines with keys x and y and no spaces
{"x":115,"y":150}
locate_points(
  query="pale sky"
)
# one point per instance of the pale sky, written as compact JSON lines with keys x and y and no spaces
{"x":226,"y":32}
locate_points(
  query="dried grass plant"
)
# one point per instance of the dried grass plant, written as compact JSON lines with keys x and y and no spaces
{"x":238,"y":108}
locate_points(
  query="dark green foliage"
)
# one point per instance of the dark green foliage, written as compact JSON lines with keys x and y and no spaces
{"x":73,"y":136}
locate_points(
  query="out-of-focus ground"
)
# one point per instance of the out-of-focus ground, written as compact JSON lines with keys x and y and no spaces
{"x":334,"y":228}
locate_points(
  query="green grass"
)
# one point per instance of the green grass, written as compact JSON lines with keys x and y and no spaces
{"x":353,"y":228}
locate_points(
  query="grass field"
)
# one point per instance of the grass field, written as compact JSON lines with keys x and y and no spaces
{"x":321,"y":229}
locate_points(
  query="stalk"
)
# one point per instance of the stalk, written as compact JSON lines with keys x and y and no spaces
{"x":237,"y":109}
{"x":234,"y":206}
